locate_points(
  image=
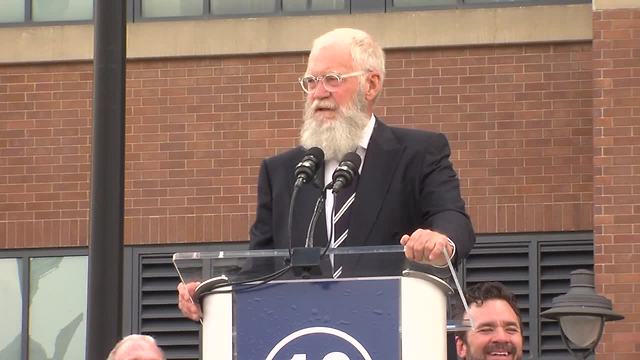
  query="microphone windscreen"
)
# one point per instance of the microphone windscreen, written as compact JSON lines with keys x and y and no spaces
{"x":308,"y":166}
{"x":354,"y":158}
{"x":317,"y":153}
{"x":346,"y":170}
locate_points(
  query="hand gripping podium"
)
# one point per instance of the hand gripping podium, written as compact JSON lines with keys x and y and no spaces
{"x":255,"y":307}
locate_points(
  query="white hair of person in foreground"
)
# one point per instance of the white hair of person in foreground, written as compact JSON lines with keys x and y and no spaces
{"x":136,"y":347}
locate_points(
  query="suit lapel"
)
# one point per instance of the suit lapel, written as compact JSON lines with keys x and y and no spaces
{"x":380,"y":164}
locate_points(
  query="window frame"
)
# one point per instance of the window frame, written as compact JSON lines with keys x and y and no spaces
{"x":207,"y":15}
{"x":28,"y":17}
{"x":351,"y":7}
{"x":134,"y":10}
{"x":24,"y":256}
{"x":462,"y":4}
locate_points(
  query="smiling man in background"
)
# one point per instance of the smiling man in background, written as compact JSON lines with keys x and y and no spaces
{"x":497,"y":331}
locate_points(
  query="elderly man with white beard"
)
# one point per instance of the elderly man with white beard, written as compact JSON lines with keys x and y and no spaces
{"x":497,"y":325}
{"x":407,"y":191}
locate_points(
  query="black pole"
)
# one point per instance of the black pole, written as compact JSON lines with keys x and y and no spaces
{"x":104,"y":318}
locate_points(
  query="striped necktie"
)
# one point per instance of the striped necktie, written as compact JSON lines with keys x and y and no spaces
{"x":342,"y":217}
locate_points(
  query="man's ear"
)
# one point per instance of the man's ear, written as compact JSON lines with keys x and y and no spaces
{"x":461,"y":348}
{"x":374,"y":86}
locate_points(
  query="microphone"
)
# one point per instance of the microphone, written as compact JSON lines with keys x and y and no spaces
{"x":304,"y":258}
{"x":346,"y":171}
{"x":308,"y":166}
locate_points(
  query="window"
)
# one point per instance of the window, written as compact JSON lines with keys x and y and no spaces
{"x":146,"y":9}
{"x":417,"y":4}
{"x":422,"y":3}
{"x":17,"y":11}
{"x":61,"y":10}
{"x":473,"y":2}
{"x":229,"y":8}
{"x":11,"y":309}
{"x":162,"y":8}
{"x":47,"y":11}
{"x":12,"y":11}
{"x":242,"y":7}
{"x":313,"y":5}
{"x":43,"y":316}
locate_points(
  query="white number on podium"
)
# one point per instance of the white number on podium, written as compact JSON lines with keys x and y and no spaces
{"x":329,"y":356}
{"x":335,"y":356}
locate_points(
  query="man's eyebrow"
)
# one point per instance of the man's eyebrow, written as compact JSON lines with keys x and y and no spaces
{"x":510,"y":322}
{"x":487,"y":323}
{"x":496,"y":323}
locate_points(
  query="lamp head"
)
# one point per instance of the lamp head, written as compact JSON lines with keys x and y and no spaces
{"x":581,"y":311}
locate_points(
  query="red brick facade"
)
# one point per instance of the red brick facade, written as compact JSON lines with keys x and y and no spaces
{"x":518,"y":118}
{"x":616,"y":140}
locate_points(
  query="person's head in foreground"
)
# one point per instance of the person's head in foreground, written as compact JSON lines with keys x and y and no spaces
{"x":497,"y":331}
{"x":136,"y":347}
{"x":343,"y":79}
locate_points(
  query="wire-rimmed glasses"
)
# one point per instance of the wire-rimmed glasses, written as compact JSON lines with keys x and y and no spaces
{"x":331,"y":81}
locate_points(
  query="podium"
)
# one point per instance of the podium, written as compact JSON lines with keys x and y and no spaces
{"x":256,"y":307}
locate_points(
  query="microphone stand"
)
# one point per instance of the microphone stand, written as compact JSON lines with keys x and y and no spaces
{"x":290,"y":220}
{"x":306,"y":261}
{"x":314,"y":219}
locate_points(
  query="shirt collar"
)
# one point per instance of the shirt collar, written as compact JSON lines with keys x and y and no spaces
{"x":366,"y":134}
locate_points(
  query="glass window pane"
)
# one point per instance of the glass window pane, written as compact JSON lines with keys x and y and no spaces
{"x":418,"y":3}
{"x":57,"y":307}
{"x":302,"y":5}
{"x":12,"y":11}
{"x":171,"y":8}
{"x":240,"y":7}
{"x":491,"y":1}
{"x":10,"y":309}
{"x":62,"y":10}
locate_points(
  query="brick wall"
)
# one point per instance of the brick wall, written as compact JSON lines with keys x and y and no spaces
{"x":518,"y":117}
{"x":616,"y":74}
{"x":44,"y":155}
{"x":519,"y":121}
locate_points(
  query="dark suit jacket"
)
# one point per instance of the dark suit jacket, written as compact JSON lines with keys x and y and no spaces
{"x":407,"y":182}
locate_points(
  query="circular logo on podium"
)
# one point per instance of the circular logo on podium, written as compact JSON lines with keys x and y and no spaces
{"x":318,"y":343}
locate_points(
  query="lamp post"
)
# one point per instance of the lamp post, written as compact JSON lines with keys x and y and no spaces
{"x":582,"y":314}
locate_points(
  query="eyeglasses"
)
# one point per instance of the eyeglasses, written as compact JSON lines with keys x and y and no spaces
{"x":331,"y":81}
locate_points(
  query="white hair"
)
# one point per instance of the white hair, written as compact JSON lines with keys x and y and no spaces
{"x":366,"y":53}
{"x":135,"y":338}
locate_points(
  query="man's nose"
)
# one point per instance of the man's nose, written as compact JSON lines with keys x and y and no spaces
{"x":500,"y":335}
{"x":320,"y":92}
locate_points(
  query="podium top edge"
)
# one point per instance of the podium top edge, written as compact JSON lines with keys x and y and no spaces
{"x":235,"y":254}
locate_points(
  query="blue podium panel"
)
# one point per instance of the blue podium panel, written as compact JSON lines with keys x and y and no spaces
{"x":351,"y":319}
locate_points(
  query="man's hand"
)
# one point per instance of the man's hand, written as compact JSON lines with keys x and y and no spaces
{"x":426,"y":246}
{"x":185,"y":301}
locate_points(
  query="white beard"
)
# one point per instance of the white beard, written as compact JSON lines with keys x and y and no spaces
{"x":335,"y":137}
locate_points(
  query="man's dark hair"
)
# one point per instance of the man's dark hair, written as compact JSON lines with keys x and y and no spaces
{"x":480,"y":293}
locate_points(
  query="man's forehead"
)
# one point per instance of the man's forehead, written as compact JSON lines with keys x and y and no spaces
{"x":136,"y":350}
{"x":328,"y":58}
{"x":493,"y":310}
